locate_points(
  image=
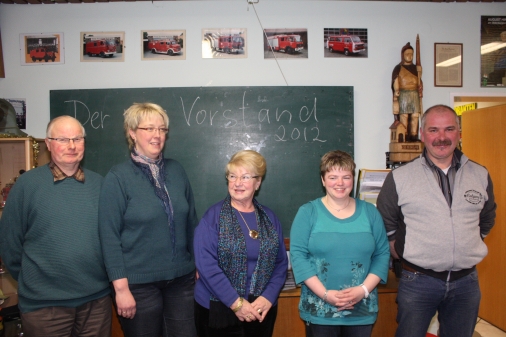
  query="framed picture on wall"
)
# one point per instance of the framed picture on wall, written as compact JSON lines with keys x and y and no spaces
{"x":163,"y":45}
{"x":224,"y":43}
{"x":285,"y":43}
{"x":41,"y":48}
{"x":345,"y":42}
{"x":102,"y":46}
{"x":493,"y":51}
{"x":448,"y":64}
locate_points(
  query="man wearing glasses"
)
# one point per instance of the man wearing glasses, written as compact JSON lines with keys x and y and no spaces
{"x":49,"y":241}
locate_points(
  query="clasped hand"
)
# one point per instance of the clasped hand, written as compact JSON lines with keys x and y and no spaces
{"x":257,"y":310}
{"x":345,"y":299}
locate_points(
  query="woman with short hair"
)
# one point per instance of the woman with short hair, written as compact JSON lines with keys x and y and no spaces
{"x":339,"y":253}
{"x":146,"y":219}
{"x":240,"y":257}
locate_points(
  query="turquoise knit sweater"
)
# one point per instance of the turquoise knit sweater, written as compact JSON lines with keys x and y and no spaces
{"x":134,"y":228}
{"x":49,"y":240}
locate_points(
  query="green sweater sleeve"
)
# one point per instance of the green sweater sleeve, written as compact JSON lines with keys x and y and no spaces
{"x":113,"y":204}
{"x":299,"y":240}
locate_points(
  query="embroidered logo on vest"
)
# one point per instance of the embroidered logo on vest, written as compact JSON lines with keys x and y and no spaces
{"x":473,"y":197}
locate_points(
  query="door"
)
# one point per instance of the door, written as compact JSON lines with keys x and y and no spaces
{"x":484,"y":141}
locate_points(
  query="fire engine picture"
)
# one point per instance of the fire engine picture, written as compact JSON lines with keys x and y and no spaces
{"x":285,"y":43}
{"x":102,"y":47}
{"x":345,"y":42}
{"x":224,"y":43}
{"x":163,"y":45}
{"x":41,"y":48}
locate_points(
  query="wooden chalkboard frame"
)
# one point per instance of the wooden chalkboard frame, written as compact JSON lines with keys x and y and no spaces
{"x":291,"y":126}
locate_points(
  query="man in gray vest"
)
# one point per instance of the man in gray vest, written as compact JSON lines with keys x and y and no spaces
{"x":437,"y":210}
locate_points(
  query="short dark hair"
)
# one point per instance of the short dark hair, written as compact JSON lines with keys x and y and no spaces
{"x":439,"y":108}
{"x":337,"y":159}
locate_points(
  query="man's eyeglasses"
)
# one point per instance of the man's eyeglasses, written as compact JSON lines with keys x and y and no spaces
{"x":77,"y":140}
{"x":245,"y":178}
{"x":151,"y":130}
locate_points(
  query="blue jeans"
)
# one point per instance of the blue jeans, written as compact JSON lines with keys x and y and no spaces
{"x":163,"y":308}
{"x":420,"y":296}
{"x":315,"y":330}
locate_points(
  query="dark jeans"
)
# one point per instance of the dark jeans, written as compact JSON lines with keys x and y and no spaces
{"x":244,"y":329}
{"x":315,"y":330}
{"x":163,"y":308}
{"x":420,"y":296}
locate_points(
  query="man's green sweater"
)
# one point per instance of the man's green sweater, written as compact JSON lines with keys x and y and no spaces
{"x":49,"y":240}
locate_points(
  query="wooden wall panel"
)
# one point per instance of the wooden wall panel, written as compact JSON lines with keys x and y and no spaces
{"x":2,"y":69}
{"x":484,"y":141}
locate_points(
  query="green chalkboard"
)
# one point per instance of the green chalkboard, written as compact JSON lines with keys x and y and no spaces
{"x":292,"y":127}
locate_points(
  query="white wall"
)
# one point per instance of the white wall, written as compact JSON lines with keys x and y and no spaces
{"x":390,"y":25}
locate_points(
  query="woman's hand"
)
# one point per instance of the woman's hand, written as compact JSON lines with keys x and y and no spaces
{"x":247,"y":313}
{"x":346,"y":299}
{"x":125,"y":301}
{"x":262,"y":306}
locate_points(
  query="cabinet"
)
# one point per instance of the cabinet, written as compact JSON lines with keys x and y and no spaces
{"x":20,"y":154}
{"x":484,"y":140}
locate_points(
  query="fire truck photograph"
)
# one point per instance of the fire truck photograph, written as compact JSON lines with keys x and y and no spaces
{"x":42,"y":49}
{"x":163,"y":45}
{"x":285,"y":43}
{"x":102,"y":47}
{"x":224,"y":43}
{"x":345,"y":42}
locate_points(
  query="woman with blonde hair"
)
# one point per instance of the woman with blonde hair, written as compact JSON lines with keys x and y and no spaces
{"x":240,"y":257}
{"x":146,"y":219}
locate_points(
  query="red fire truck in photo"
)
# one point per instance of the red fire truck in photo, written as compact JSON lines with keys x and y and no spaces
{"x":286,"y":43}
{"x":347,"y":44}
{"x":164,"y":46}
{"x":42,"y":53}
{"x":226,"y":43}
{"x":101,"y":47}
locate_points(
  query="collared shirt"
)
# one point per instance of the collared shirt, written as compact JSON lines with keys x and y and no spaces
{"x":58,"y":174}
{"x":445,"y":180}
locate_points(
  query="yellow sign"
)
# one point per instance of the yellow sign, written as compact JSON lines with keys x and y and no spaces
{"x":466,"y":107}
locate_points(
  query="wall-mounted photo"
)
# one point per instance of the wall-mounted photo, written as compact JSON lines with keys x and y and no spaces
{"x":163,"y":45}
{"x":286,"y":43}
{"x":224,"y":43}
{"x":345,"y":42}
{"x":493,"y":51}
{"x":41,"y":48}
{"x":102,"y":46}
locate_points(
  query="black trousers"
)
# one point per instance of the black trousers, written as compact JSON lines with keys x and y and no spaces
{"x":244,"y":329}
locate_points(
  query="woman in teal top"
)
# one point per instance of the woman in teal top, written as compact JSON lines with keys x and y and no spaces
{"x":339,"y":253}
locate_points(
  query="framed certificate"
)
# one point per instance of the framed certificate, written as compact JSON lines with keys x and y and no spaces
{"x":448,"y":64}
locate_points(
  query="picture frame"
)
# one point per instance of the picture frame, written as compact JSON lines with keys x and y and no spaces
{"x":41,"y":49}
{"x":345,"y":43}
{"x":448,"y":64}
{"x":493,"y":52}
{"x":224,"y":43}
{"x":102,"y":46}
{"x":163,"y":45}
{"x":285,"y":43}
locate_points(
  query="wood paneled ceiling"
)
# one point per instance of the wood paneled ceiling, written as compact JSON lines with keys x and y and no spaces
{"x":48,"y":2}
